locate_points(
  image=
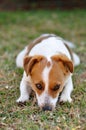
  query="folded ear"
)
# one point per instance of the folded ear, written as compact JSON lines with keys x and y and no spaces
{"x":65,"y":60}
{"x":30,"y":61}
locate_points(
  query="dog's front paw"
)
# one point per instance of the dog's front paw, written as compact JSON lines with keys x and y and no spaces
{"x":65,"y":98}
{"x":22,"y":99}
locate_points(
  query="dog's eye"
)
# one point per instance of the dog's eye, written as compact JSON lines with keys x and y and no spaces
{"x":39,"y":86}
{"x":56,"y":87}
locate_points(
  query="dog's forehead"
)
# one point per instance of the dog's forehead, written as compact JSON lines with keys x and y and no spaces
{"x":56,"y":72}
{"x":53,"y":71}
{"x":48,"y":71}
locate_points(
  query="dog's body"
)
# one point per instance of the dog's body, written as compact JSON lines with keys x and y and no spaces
{"x":48,"y":67}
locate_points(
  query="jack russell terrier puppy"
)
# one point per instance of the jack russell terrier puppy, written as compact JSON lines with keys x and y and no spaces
{"x":48,"y":66}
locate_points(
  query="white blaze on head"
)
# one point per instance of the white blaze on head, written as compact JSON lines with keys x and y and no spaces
{"x":45,"y":73}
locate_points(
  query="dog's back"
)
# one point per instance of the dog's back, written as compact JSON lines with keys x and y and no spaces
{"x":49,"y":46}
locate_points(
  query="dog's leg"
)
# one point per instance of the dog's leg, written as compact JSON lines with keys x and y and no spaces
{"x":65,"y":96}
{"x":25,"y":90}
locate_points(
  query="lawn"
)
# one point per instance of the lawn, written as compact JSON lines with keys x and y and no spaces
{"x":17,"y":29}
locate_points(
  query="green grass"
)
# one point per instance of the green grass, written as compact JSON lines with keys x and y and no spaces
{"x":17,"y":29}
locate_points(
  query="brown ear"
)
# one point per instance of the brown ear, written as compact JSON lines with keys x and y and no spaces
{"x":65,"y":60}
{"x":29,"y":62}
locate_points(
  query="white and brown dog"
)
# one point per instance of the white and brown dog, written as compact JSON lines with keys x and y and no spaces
{"x":48,"y":66}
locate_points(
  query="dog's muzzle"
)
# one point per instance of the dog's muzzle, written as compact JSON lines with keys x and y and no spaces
{"x":47,"y":108}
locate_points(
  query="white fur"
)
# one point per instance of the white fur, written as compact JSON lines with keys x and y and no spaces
{"x":70,"y":44}
{"x":25,"y":89}
{"x":65,"y":96}
{"x":49,"y":47}
{"x":45,"y":76}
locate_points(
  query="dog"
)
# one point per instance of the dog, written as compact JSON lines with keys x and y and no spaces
{"x":48,"y":65}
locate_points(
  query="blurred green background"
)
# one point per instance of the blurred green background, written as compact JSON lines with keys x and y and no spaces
{"x":21,"y":22}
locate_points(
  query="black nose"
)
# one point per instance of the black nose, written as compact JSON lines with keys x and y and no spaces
{"x":47,"y":108}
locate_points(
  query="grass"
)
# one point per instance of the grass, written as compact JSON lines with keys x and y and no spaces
{"x":17,"y":29}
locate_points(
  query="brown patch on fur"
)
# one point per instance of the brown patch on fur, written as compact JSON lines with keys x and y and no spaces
{"x":61,"y":68}
{"x":35,"y":68}
{"x":68,"y":64}
{"x":48,"y":64}
{"x":29,"y":62}
{"x":56,"y":77}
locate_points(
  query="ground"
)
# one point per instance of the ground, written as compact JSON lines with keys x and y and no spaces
{"x":17,"y":29}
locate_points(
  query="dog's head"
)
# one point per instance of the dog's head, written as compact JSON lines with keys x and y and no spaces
{"x":48,"y":78}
